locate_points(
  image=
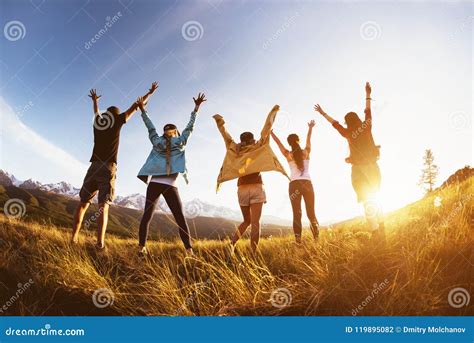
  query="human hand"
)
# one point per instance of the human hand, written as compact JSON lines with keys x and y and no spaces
{"x":93,"y":95}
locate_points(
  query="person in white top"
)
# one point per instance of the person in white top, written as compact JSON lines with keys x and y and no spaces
{"x":300,"y":184}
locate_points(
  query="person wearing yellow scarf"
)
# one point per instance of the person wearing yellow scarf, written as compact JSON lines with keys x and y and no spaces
{"x":245,"y":161}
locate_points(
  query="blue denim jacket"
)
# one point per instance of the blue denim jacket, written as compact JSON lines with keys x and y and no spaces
{"x":155,"y":164}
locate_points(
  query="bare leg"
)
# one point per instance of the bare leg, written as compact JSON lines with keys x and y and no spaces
{"x":371,"y":209}
{"x":77,"y":222}
{"x":244,"y":225}
{"x":102,"y":224}
{"x":256,"y":213}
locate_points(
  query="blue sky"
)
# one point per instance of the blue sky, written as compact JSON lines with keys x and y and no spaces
{"x":248,"y":56}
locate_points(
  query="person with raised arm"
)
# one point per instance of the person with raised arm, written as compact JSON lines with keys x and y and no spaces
{"x":300,"y":186}
{"x":246,"y":161}
{"x":166,"y":161}
{"x":364,"y":154}
{"x":100,"y":176}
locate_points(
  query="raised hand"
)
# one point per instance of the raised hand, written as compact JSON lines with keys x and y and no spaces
{"x":153,"y":88}
{"x":200,"y":99}
{"x":368,"y":89}
{"x":197,"y":102}
{"x":319,"y":109}
{"x":276,"y":108}
{"x":311,"y":124}
{"x":141,"y":103}
{"x":217,"y":116}
{"x":93,"y":95}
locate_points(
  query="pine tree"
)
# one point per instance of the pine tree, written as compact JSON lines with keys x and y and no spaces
{"x":429,"y":172}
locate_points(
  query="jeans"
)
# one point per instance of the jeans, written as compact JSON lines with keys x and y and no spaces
{"x":173,"y":200}
{"x":303,"y":189}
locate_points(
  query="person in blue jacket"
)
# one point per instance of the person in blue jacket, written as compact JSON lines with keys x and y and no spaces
{"x":160,"y":171}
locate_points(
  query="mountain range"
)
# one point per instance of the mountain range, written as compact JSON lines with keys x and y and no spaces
{"x":193,"y":208}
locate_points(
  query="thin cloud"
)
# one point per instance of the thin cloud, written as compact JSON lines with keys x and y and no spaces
{"x":38,"y":157}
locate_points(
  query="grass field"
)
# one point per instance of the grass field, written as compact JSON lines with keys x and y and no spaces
{"x":428,"y":253}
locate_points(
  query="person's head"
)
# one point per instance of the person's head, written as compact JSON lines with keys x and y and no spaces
{"x":170,"y":130}
{"x":246,"y":138}
{"x":113,"y":110}
{"x":352,"y":120}
{"x":294,"y":142}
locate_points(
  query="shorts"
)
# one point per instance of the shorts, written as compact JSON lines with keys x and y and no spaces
{"x":365,"y":180}
{"x":251,"y":194}
{"x":100,"y":178}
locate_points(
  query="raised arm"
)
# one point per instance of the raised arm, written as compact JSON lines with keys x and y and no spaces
{"x":190,"y":127}
{"x":319,"y":109}
{"x":308,"y":136}
{"x":368,"y":99}
{"x":334,"y":122}
{"x":152,"y":134}
{"x":267,"y":127}
{"x":131,"y":110}
{"x":221,"y":126}
{"x":282,"y":148}
{"x":95,"y":100}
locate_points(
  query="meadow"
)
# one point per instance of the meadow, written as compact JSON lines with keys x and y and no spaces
{"x":428,"y":253}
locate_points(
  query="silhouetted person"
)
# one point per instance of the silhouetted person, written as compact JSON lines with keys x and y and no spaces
{"x":100,"y":176}
{"x":300,"y":186}
{"x":364,"y":155}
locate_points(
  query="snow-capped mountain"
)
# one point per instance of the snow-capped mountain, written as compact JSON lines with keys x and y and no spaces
{"x":136,"y":201}
{"x":63,"y":188}
{"x":194,"y":208}
{"x":8,"y":179}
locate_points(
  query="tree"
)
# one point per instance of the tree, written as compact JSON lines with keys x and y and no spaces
{"x":429,"y":172}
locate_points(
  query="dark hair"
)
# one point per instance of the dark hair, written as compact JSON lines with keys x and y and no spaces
{"x":352,"y":121}
{"x":169,"y":127}
{"x":114,"y":110}
{"x":294,"y":142}
{"x":246,"y":138}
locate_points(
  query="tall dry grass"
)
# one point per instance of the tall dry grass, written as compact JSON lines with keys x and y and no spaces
{"x":427,"y":253}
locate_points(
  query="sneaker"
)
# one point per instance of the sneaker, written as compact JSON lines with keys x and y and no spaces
{"x":298,"y":240}
{"x":75,"y":240}
{"x":231,"y":249}
{"x":142,"y":252}
{"x":190,"y":253}
{"x":100,"y":248}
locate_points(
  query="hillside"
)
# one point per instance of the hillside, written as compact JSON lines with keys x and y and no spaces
{"x":425,"y":267}
{"x":193,"y":208}
{"x":50,"y":208}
